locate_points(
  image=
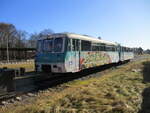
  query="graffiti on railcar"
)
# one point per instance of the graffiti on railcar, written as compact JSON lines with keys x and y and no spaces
{"x":91,"y":59}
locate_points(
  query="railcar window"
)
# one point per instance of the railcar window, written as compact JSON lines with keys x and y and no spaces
{"x":110,"y":48}
{"x":85,"y":45}
{"x":129,"y":50}
{"x":98,"y":47}
{"x":69,"y":45}
{"x":48,"y":45}
{"x":73,"y":44}
{"x":95,"y":48}
{"x":77,"y":45}
{"x":126,"y":49}
{"x":58,"y":45}
{"x":123,"y":48}
{"x":102,"y":48}
{"x":39,"y":45}
{"x":117,"y":49}
{"x":113,"y":48}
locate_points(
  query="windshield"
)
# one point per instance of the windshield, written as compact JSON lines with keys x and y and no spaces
{"x":48,"y":45}
{"x":58,"y":45}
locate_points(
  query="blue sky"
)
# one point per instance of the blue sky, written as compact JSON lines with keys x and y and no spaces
{"x":123,"y":21}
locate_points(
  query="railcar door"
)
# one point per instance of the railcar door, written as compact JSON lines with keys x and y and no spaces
{"x":119,"y":52}
{"x":122,"y":53}
{"x":76,"y":54}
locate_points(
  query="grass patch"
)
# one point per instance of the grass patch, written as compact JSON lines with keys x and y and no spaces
{"x":29,"y":66}
{"x":119,"y":91}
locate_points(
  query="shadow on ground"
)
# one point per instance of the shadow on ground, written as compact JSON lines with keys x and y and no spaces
{"x":145,"y":106}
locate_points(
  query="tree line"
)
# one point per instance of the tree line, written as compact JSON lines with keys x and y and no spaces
{"x":14,"y":38}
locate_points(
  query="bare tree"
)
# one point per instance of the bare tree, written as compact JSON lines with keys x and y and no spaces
{"x":8,"y":33}
{"x":45,"y":32}
{"x":10,"y":37}
{"x":21,"y":39}
{"x":34,"y":37}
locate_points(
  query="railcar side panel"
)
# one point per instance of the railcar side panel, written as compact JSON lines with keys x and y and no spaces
{"x":72,"y":61}
{"x":114,"y":56}
{"x":92,"y":59}
{"x":128,"y":55}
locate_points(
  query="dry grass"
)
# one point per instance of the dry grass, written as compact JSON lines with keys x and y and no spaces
{"x":119,"y":91}
{"x":29,"y":66}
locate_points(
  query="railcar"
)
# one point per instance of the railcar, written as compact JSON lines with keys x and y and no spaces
{"x":69,"y":52}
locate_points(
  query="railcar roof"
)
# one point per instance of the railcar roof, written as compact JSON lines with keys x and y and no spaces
{"x":82,"y":37}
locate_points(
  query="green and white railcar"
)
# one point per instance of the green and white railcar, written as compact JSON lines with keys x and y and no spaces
{"x":68,"y":52}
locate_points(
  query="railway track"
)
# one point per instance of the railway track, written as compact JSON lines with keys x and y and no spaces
{"x":57,"y":79}
{"x":6,"y":96}
{"x":40,"y":81}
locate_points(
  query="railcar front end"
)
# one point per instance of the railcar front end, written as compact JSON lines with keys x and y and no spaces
{"x":50,"y":55}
